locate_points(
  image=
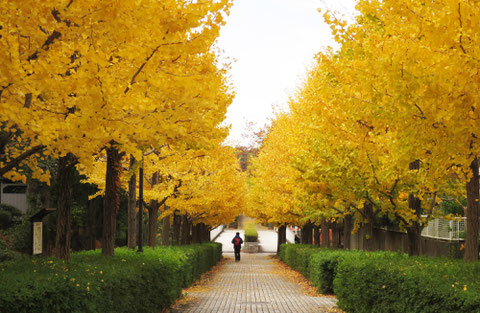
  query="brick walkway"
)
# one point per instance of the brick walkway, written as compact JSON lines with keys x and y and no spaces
{"x":252,"y":286}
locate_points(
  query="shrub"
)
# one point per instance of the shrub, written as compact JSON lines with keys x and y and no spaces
{"x":251,"y":234}
{"x":388,"y":282}
{"x":5,"y":253}
{"x":421,"y":284}
{"x":21,"y":236}
{"x":297,"y":256}
{"x":127,"y":282}
{"x":323,"y":268}
{"x":9,"y":215}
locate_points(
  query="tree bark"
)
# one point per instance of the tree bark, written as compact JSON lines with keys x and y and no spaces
{"x":152,"y":223}
{"x":325,"y":234}
{"x":112,"y":200}
{"x":472,"y":214}
{"x":414,"y":230}
{"x":166,"y":230}
{"x":195,"y":233}
{"x":190,"y":234}
{"x":185,"y":230}
{"x":176,"y":228}
{"x":206,"y":233}
{"x":153,"y":216}
{"x":347,"y":231}
{"x":307,"y":233}
{"x":368,"y":227}
{"x":132,"y":208}
{"x":66,"y":170}
{"x":201,"y":232}
{"x":335,"y":236}
{"x":316,"y":235}
{"x":140,"y":208}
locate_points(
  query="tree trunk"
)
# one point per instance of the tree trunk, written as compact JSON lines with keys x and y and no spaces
{"x":132,"y":208}
{"x":153,"y":216}
{"x":152,"y":223}
{"x":166,"y":231}
{"x":190,"y":233}
{"x":316,"y":235}
{"x":66,"y":170}
{"x":201,"y":232}
{"x":335,"y":236}
{"x":112,"y":200}
{"x":414,"y":230}
{"x":140,"y":208}
{"x":307,"y":233}
{"x":282,"y":236}
{"x":195,"y":233}
{"x":471,"y":242}
{"x":185,"y":230}
{"x":347,"y":231}
{"x":206,"y":233}
{"x":368,"y":227}
{"x":176,"y":228}
{"x":325,"y":234}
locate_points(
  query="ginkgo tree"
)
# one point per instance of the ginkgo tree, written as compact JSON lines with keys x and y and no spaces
{"x":79,"y":78}
{"x":380,"y":124}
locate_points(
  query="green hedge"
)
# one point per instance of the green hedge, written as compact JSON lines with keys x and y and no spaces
{"x":420,"y":284}
{"x":251,"y":235}
{"x":388,"y":282}
{"x":127,"y":282}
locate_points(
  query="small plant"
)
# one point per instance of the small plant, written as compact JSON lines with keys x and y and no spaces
{"x":5,"y":253}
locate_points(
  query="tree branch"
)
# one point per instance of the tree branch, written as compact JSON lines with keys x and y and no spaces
{"x":20,"y":158}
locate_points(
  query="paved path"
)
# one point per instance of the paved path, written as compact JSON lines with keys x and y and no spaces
{"x":253,"y":285}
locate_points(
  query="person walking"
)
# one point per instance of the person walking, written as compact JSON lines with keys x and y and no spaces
{"x":237,"y":246}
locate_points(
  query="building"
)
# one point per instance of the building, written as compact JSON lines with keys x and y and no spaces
{"x":14,"y":194}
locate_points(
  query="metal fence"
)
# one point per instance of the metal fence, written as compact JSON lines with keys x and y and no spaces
{"x":441,"y":228}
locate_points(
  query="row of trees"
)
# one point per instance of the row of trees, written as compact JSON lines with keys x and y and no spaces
{"x":385,"y":126}
{"x":116,"y":88}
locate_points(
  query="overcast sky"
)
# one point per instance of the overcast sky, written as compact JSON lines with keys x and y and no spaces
{"x":273,"y":43}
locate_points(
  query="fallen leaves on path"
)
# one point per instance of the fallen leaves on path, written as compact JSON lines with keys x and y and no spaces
{"x":199,"y":286}
{"x":307,"y":287}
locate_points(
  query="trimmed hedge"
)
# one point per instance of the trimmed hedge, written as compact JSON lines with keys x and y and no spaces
{"x":89,"y":282}
{"x":251,"y":233}
{"x":366,"y":282}
{"x":419,"y":284}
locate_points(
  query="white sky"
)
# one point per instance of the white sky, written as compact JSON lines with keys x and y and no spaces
{"x":273,"y":43}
